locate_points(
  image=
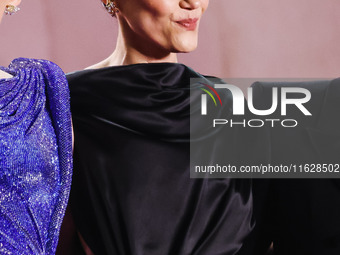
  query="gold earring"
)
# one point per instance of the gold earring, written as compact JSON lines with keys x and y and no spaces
{"x":111,"y":8}
{"x":11,"y":9}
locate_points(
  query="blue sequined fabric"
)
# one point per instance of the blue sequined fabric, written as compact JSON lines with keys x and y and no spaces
{"x":35,"y":156}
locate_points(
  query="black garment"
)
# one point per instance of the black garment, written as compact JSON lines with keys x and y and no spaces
{"x":300,"y":216}
{"x":131,"y":192}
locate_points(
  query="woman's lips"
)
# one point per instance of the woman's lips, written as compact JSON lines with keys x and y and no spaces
{"x":188,"y":24}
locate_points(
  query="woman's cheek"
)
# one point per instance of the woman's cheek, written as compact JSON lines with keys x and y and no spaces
{"x":159,"y":7}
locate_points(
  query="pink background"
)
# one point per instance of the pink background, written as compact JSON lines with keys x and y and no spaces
{"x":238,"y":38}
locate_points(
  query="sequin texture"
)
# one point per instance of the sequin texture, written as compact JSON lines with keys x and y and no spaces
{"x":35,"y":156}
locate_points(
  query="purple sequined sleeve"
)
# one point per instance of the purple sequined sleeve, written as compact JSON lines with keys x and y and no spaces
{"x":35,"y":156}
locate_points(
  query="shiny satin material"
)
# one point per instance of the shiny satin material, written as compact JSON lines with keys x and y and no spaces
{"x":132,"y":193}
{"x":301,"y":216}
{"x":35,"y":156}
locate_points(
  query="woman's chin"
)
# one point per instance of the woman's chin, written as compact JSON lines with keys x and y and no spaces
{"x":186,"y":46}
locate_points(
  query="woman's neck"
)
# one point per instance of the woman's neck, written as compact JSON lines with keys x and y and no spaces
{"x":129,"y":52}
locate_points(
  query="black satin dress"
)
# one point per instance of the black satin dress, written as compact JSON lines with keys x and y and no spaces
{"x":300,"y":216}
{"x":131,"y":192}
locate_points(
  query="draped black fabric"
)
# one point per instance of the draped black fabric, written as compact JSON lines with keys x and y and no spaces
{"x":131,"y":192}
{"x":300,"y":216}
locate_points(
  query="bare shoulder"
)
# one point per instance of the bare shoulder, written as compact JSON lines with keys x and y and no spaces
{"x":4,"y":75}
{"x":101,"y":64}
